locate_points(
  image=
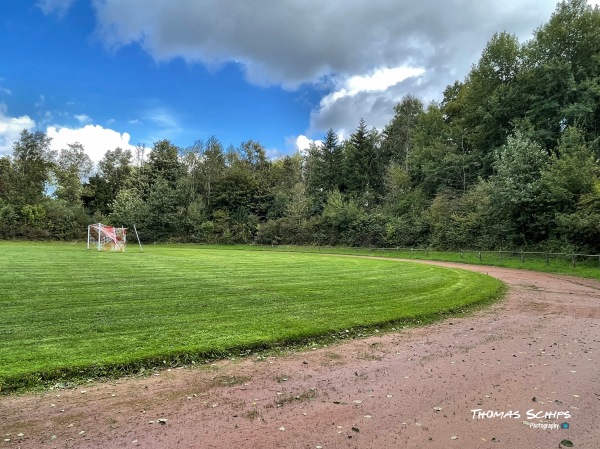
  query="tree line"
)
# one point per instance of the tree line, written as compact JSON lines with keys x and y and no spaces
{"x":507,"y":159}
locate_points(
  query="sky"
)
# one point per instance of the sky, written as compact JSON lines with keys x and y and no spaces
{"x":121,"y":73}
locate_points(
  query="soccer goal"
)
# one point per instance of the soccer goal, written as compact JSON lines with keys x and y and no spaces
{"x":106,"y":238}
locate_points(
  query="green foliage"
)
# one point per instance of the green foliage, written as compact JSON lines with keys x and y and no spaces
{"x":128,"y":209}
{"x":559,"y":85}
{"x":163,"y":163}
{"x":338,"y":218}
{"x":438,"y":161}
{"x":364,"y":163}
{"x":397,"y":135}
{"x":9,"y":221}
{"x":325,"y":164}
{"x":72,"y":167}
{"x":487,"y":103}
{"x":582,"y":226}
{"x":32,"y":164}
{"x":65,"y":220}
{"x":518,"y":194}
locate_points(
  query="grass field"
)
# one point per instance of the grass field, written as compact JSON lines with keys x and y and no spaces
{"x":67,"y":313}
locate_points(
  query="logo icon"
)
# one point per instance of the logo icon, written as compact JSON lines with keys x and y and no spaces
{"x":564,"y":425}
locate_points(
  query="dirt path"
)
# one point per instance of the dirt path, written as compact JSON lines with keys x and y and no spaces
{"x":537,"y":350}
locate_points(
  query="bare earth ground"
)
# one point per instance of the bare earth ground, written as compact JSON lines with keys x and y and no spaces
{"x":537,"y":350}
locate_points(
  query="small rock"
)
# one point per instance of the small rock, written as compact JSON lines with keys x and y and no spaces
{"x":282,"y":428}
{"x":161,"y":421}
{"x":454,"y":437}
{"x":357,"y":402}
{"x":82,"y":433}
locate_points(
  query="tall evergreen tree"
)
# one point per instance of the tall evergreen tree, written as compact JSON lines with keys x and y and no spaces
{"x":364,"y":164}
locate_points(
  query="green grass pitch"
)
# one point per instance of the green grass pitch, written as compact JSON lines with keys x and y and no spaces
{"x":66,"y":312}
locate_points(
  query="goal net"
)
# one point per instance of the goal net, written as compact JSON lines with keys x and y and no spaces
{"x":106,"y":238}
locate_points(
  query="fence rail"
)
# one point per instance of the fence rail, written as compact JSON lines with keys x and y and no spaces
{"x":465,"y":255}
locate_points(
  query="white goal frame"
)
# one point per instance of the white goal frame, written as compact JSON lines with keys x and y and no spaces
{"x":106,"y":238}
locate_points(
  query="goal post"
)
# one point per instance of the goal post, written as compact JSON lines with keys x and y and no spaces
{"x":106,"y":238}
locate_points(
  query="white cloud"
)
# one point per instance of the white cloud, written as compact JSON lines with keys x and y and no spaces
{"x":300,"y":143}
{"x":291,"y":42}
{"x":10,"y":129}
{"x":40,"y":103}
{"x":369,"y":53}
{"x":82,"y":118}
{"x":95,"y":139}
{"x":370,"y":97}
{"x":60,"y":7}
{"x":166,"y":123}
{"x":594,"y":2}
{"x":378,"y":81}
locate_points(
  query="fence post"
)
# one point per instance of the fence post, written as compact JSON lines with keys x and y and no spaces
{"x":547,"y":260}
{"x":461,"y":253}
{"x":522,"y":257}
{"x":573,"y":258}
{"x":479,"y":256}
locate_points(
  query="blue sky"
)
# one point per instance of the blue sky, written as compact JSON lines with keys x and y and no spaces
{"x":113,"y":73}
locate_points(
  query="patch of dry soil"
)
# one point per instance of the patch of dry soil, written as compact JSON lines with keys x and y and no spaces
{"x":535,"y":351}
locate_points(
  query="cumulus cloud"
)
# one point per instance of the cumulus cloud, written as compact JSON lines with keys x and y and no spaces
{"x":300,"y":143}
{"x":95,"y":139}
{"x":10,"y":129}
{"x":371,"y":97}
{"x":289,"y":42}
{"x":368,"y":53}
